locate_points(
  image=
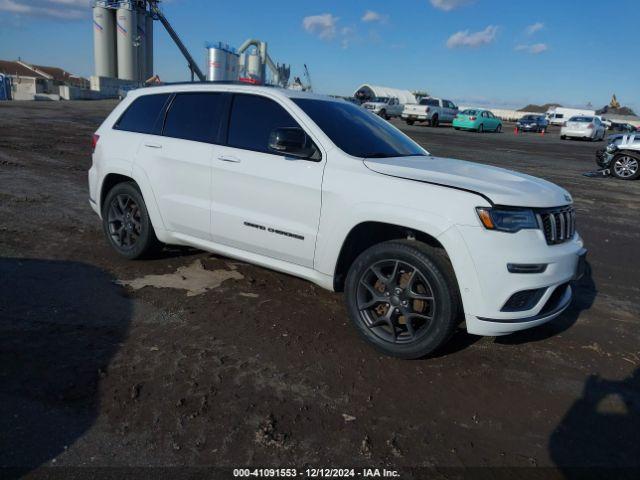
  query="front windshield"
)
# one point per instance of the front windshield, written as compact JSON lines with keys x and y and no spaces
{"x":380,"y":99}
{"x":530,"y":118}
{"x":358,"y":132}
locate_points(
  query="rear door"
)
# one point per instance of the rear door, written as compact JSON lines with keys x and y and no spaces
{"x":178,"y":163}
{"x":262,"y":201}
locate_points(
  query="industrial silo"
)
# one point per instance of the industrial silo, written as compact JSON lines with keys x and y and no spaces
{"x":141,"y":42}
{"x":104,"y":42}
{"x":233,"y":66}
{"x":254,"y":67}
{"x":216,"y":64}
{"x":126,"y":26}
{"x":149,"y":47}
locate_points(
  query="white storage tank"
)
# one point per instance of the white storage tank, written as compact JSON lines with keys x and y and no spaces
{"x":104,"y":42}
{"x":216,"y":64}
{"x":149,"y":47}
{"x":233,"y":66}
{"x":141,"y":42}
{"x":254,"y":67}
{"x":126,"y":25}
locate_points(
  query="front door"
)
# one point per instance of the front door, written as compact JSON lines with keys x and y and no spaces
{"x":264,"y":202}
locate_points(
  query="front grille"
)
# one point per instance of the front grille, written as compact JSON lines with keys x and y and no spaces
{"x":558,"y":224}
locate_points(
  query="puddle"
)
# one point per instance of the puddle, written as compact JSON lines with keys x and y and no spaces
{"x":194,"y":278}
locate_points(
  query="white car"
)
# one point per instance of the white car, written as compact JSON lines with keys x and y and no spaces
{"x":386,"y":107}
{"x":585,"y":127}
{"x":320,"y":189}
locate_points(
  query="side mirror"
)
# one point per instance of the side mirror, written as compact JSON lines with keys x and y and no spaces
{"x":291,"y":141}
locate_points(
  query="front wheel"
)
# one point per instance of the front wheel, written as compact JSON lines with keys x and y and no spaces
{"x":403,"y":298}
{"x":625,"y":167}
{"x":499,"y":128}
{"x":435,"y":121}
{"x":126,"y":222}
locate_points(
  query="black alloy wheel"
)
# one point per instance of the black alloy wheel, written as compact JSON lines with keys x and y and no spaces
{"x":403,"y":298}
{"x":126,"y":222}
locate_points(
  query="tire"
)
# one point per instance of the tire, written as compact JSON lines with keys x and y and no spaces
{"x":126,"y":222}
{"x":481,"y":128}
{"x":383,"y":114}
{"x":434,"y":121}
{"x":563,"y":137}
{"x":625,"y":167}
{"x":498,"y":128}
{"x":381,"y":270}
{"x":410,"y":122}
{"x":456,"y":128}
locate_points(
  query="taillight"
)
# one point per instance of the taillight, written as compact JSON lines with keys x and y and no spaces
{"x":472,"y":118}
{"x":590,"y":126}
{"x":427,"y":110}
{"x":94,"y":142}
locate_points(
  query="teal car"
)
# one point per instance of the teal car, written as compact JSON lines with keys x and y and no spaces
{"x":477,"y":119}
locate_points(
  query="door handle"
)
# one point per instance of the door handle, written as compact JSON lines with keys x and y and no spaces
{"x":153,"y":145}
{"x":229,"y":158}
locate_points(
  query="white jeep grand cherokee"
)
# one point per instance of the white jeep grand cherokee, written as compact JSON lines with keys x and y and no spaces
{"x":324,"y":190}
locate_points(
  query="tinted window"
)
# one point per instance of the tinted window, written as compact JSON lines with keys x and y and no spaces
{"x":429,"y":101}
{"x":581,"y":119}
{"x":143,"y":115}
{"x":195,"y":116}
{"x":252,"y":120}
{"x":356,"y":131}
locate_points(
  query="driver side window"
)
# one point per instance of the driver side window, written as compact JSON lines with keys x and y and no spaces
{"x":252,"y":120}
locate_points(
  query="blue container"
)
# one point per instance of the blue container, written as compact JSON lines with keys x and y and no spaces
{"x":5,"y":87}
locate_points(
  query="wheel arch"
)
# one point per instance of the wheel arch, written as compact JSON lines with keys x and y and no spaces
{"x":112,"y":179}
{"x":368,"y":233}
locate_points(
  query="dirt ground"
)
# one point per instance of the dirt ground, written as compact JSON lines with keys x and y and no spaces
{"x":264,"y":369}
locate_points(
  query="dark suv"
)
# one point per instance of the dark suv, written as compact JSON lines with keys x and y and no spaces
{"x":532,"y":123}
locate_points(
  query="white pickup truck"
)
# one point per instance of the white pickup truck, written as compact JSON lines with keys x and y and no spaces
{"x":431,"y":110}
{"x":386,"y":107}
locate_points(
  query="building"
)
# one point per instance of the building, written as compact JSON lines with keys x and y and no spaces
{"x":38,"y":82}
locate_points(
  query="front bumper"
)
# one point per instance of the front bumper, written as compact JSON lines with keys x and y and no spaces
{"x":603,"y":159}
{"x":487,"y":285}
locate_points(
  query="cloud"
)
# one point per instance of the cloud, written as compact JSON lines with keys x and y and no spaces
{"x":371,"y":16}
{"x":448,"y":5}
{"x":57,"y":9}
{"x":533,"y":28}
{"x":476,"y":39}
{"x":323,"y":26}
{"x":533,"y":49}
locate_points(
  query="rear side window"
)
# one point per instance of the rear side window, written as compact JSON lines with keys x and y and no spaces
{"x":195,"y":116}
{"x":144,"y":115}
{"x":252,"y":120}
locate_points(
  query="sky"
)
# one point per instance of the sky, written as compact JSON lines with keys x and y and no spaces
{"x":500,"y":53}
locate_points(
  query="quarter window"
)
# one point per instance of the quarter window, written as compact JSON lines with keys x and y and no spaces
{"x":144,"y":115}
{"x":195,"y":116}
{"x":252,"y":120}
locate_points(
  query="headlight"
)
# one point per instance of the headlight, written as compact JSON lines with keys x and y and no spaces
{"x":507,"y":220}
{"x":612,"y":147}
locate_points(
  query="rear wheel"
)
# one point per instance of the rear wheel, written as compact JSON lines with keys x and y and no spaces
{"x":403,"y":298}
{"x":435,"y":121}
{"x":126,"y":222}
{"x":499,"y":128}
{"x":563,"y":137}
{"x":625,"y":167}
{"x":410,"y":122}
{"x":481,"y":128}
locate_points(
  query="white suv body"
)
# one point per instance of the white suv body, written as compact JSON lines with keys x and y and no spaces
{"x":317,"y":217}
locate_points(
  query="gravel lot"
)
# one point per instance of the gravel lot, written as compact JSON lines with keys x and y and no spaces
{"x":264,"y":369}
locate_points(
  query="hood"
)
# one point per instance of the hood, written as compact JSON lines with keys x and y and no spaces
{"x":501,"y":186}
